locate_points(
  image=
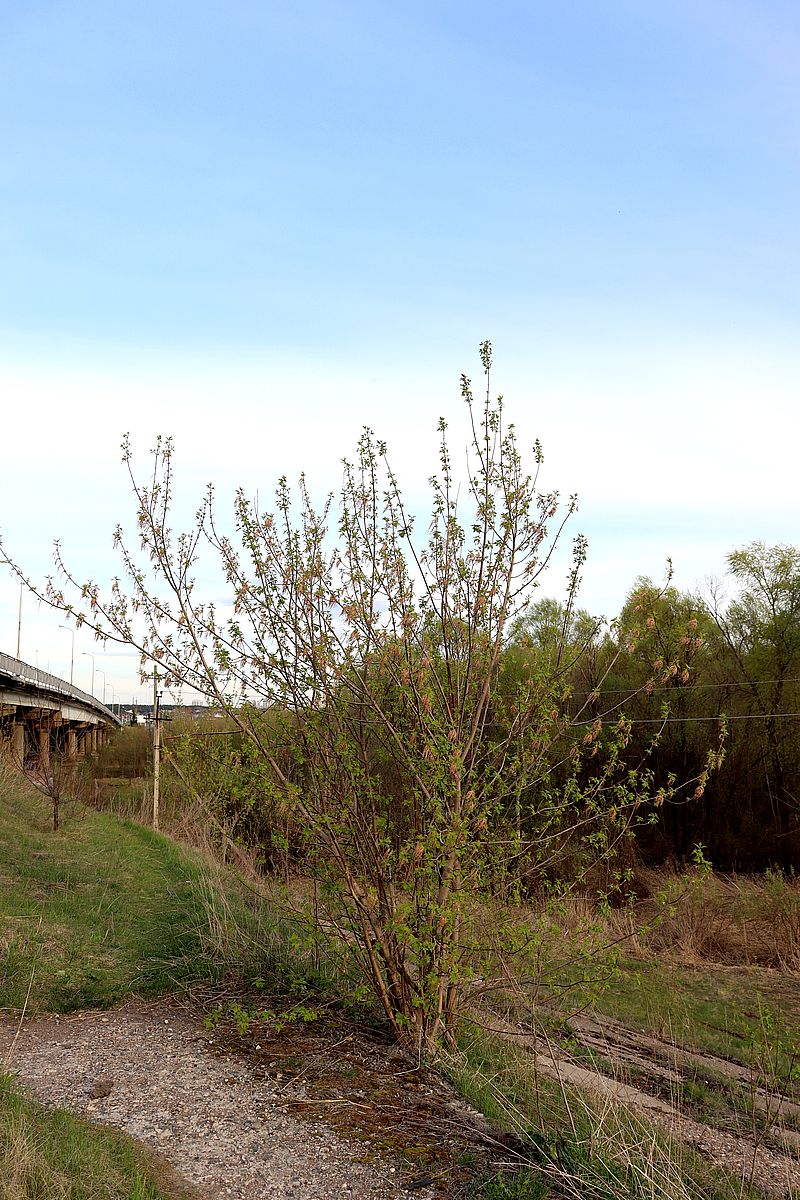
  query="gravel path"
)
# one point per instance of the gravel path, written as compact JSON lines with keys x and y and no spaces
{"x":149,"y":1071}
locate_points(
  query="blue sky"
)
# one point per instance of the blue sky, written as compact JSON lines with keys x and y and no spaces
{"x":259,"y":227}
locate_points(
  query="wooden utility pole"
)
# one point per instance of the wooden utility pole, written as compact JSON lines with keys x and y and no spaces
{"x":156,"y":748}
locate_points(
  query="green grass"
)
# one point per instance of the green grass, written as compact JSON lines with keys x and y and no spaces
{"x":751,"y":1016}
{"x":55,"y":1156}
{"x":701,"y":1092}
{"x":106,"y":909}
{"x":90,"y":915}
{"x":96,"y":912}
{"x":517,"y":1185}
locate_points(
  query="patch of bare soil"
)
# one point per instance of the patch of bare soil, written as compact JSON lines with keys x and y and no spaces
{"x":361,"y":1084}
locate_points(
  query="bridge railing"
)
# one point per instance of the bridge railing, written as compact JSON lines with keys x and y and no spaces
{"x":43,"y":681}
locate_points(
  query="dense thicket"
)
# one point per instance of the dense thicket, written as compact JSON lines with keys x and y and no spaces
{"x":690,"y":665}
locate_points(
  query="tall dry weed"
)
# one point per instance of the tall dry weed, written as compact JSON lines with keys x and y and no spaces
{"x":735,"y":920}
{"x":779,"y":910}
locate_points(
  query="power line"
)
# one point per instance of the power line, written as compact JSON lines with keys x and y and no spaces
{"x":690,"y":720}
{"x":203,"y":733}
{"x":572,"y":725}
{"x":688,"y":687}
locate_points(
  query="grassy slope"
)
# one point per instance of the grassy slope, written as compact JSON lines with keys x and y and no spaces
{"x":745,"y":1014}
{"x":89,"y":915}
{"x":607,"y":964}
{"x":95,"y":912}
{"x":587,"y":1146}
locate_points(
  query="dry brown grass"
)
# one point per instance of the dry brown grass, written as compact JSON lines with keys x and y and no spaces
{"x":699,"y":917}
{"x":733,"y":920}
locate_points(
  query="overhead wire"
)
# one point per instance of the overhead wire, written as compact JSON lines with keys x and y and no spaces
{"x":665,"y":720}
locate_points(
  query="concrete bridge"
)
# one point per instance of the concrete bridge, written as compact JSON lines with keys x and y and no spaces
{"x":41,"y":715}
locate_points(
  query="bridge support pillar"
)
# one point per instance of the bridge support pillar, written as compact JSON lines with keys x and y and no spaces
{"x":93,"y":740}
{"x":44,"y":747}
{"x":72,"y":743}
{"x":18,"y":743}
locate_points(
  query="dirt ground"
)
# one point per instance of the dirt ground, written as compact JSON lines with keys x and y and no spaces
{"x":754,"y":1132}
{"x":328,"y":1109}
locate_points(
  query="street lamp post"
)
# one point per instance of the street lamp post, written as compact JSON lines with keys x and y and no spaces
{"x":99,"y":672}
{"x":88,"y":654}
{"x":19,"y":621}
{"x":71,"y":632}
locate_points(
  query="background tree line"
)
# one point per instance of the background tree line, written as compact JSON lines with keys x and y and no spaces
{"x":685,"y":666}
